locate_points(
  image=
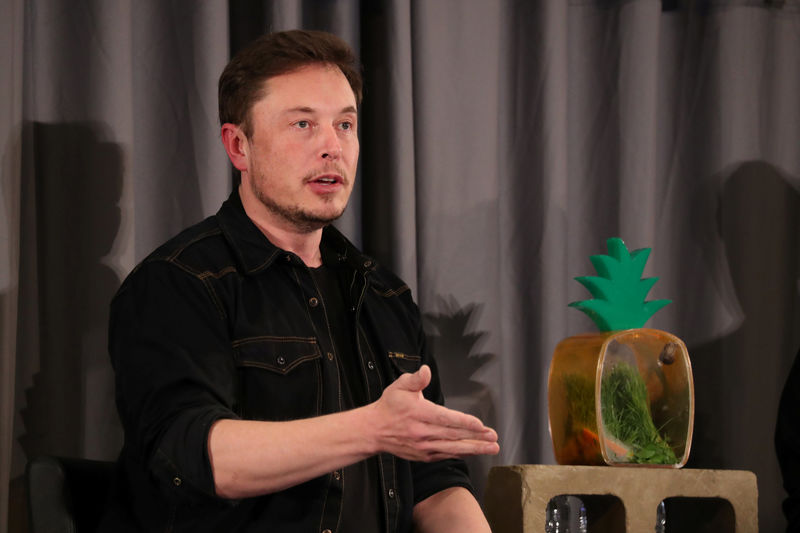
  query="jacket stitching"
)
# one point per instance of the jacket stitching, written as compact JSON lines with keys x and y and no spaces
{"x":266,"y":263}
{"x":260,"y":338}
{"x":295,"y":363}
{"x":213,"y":295}
{"x":218,"y":274}
{"x":181,"y":249}
{"x":391,"y":292}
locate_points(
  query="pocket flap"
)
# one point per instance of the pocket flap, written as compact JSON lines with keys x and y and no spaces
{"x":277,"y":354}
{"x":405,"y":362}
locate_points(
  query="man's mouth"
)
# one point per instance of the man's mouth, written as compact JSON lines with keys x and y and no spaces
{"x":327,"y":179}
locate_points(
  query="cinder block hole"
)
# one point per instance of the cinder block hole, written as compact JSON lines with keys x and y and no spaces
{"x":698,"y":515}
{"x":594,"y":512}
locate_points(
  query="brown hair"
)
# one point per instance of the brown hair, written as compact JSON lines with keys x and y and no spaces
{"x":242,"y":82}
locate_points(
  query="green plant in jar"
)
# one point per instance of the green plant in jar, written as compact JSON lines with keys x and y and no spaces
{"x":623,"y":395}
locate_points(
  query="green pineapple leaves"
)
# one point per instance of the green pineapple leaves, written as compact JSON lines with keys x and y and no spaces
{"x":619,"y":291}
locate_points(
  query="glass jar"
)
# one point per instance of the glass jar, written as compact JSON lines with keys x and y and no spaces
{"x":621,"y":397}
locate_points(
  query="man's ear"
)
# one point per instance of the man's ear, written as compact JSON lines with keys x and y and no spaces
{"x":236,"y":145}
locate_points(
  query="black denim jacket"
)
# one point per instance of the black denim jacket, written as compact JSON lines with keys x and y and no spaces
{"x":219,"y":323}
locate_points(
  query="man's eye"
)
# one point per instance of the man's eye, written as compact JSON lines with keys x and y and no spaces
{"x":302,"y":124}
{"x":346,"y":125}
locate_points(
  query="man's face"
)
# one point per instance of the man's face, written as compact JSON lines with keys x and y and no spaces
{"x":303,"y":148}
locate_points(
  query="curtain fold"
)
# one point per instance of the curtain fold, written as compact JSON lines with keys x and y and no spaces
{"x":388,"y":157}
{"x":502,"y":143}
{"x":120,"y":151}
{"x":534,"y":161}
{"x":11,"y":45}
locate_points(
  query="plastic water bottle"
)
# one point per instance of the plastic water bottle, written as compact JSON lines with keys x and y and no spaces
{"x":661,"y":518}
{"x":557,"y":515}
{"x":583,"y":520}
{"x":566,"y":514}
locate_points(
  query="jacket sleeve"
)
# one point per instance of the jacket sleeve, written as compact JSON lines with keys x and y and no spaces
{"x":175,"y":375}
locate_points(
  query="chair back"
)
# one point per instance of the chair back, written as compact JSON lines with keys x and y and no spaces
{"x":67,"y":495}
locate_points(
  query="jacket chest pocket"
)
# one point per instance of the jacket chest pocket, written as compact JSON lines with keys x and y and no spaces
{"x":403,"y":363}
{"x":279,"y":378}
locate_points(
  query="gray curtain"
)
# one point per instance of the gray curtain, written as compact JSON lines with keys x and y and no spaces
{"x":502,"y":143}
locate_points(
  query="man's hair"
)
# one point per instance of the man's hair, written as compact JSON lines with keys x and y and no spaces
{"x":242,"y":83}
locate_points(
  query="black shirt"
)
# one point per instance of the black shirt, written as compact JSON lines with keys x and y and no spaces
{"x":362,"y":502}
{"x":219,"y":323}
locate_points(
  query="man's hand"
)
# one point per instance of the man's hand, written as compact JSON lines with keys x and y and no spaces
{"x":250,"y":457}
{"x":414,"y":428}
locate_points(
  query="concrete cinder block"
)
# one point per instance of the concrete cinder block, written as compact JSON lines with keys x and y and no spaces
{"x":517,"y":496}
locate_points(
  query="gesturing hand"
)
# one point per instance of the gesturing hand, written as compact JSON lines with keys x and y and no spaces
{"x":414,"y":428}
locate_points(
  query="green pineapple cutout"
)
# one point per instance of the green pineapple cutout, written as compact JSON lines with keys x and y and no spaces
{"x":619,"y":291}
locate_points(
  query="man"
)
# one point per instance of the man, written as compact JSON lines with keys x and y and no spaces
{"x":269,"y":376}
{"x":787,"y":445}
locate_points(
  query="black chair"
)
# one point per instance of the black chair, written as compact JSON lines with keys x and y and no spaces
{"x":66,"y":494}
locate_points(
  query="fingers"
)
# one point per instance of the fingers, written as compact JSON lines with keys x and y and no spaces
{"x":462,"y":448}
{"x":430,"y":441}
{"x":437,"y":450}
{"x":415,"y":382}
{"x":417,"y":429}
{"x":438,"y":421}
{"x":442,"y":416}
{"x":422,"y":432}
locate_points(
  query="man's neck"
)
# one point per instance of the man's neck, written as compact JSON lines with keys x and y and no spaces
{"x":304,"y":244}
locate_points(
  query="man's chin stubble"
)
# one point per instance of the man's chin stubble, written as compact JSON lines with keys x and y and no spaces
{"x":307,"y":223}
{"x":301,"y":220}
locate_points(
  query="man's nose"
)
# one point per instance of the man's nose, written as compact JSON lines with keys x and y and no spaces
{"x":331,"y":145}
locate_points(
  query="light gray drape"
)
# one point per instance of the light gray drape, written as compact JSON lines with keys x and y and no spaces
{"x":502,"y":144}
{"x":119,"y":149}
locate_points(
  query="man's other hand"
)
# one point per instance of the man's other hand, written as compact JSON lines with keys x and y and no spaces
{"x":409,"y":426}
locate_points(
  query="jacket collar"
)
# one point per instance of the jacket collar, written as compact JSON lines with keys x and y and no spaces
{"x":254,"y":252}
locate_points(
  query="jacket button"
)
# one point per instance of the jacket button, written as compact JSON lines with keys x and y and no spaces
{"x":281,"y":360}
{"x":371,"y":365}
{"x":326,"y":531}
{"x":367,"y":263}
{"x":313,"y":302}
{"x":330,"y":356}
{"x":177,"y":481}
{"x":336,"y":475}
{"x":391,"y":493}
